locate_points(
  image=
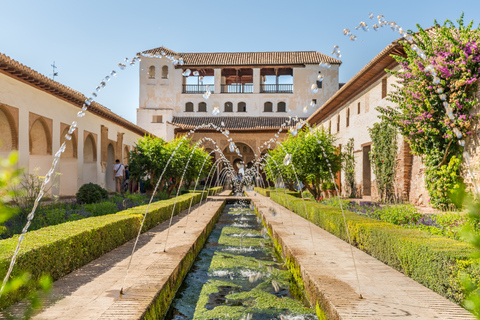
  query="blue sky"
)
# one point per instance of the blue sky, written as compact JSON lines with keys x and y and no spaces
{"x":87,"y":39}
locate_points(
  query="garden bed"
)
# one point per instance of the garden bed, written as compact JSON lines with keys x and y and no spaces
{"x":60,"y":249}
{"x":432,"y":260}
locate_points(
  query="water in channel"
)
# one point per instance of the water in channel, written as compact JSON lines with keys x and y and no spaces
{"x":237,"y":275}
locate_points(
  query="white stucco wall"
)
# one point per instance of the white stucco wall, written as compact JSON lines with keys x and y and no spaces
{"x":28,"y":99}
{"x":369,"y":99}
{"x":164,"y":96}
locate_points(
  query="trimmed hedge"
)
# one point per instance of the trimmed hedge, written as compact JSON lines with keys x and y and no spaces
{"x":60,"y":249}
{"x":434,"y":261}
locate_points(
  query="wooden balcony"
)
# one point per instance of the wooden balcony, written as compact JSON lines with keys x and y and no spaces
{"x":197,"y":88}
{"x":237,"y":88}
{"x":276,"y":88}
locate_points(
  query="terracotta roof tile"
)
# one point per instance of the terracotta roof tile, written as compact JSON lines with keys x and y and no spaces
{"x":246,"y":58}
{"x":25,"y":74}
{"x":234,"y":123}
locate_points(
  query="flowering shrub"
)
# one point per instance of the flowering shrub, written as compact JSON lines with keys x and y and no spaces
{"x":435,"y":99}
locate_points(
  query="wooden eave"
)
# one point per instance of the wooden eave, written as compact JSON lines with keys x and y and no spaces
{"x":240,"y":66}
{"x":246,"y":130}
{"x":373,"y":71}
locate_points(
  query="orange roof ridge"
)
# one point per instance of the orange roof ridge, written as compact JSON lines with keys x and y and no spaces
{"x":247,"y":58}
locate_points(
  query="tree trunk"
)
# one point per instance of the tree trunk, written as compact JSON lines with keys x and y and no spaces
{"x":162,"y":185}
{"x":312,"y":190}
{"x":171,"y":188}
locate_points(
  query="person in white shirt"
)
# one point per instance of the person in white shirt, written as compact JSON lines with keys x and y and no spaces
{"x":118,"y":175}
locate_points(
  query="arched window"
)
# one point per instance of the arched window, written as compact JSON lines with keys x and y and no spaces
{"x":202,"y":107}
{"x":89,"y":149}
{"x":8,"y":134}
{"x":281,"y":107}
{"x":268,"y":107}
{"x":70,"y":145}
{"x":338,"y":123}
{"x":40,"y":138}
{"x":228,"y":107}
{"x":165,"y":72}
{"x":242,"y":107}
{"x":189,"y":107}
{"x":151,"y":72}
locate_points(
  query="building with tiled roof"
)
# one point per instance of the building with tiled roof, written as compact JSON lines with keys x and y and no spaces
{"x":253,"y":92}
{"x":35,"y":115}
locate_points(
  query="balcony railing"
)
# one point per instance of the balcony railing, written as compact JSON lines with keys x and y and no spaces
{"x":197,"y":88}
{"x":276,"y":88}
{"x":237,"y":88}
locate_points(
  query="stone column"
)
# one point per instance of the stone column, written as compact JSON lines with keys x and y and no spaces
{"x":119,"y":147}
{"x":218,"y":80}
{"x":256,"y":80}
{"x":103,"y":147}
{"x":23,"y":138}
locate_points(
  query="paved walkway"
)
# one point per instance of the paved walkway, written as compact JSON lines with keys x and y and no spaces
{"x":387,"y":293}
{"x":92,"y":292}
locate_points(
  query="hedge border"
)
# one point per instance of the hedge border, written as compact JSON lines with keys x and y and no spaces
{"x":159,"y":307}
{"x":60,"y":249}
{"x":432,"y":260}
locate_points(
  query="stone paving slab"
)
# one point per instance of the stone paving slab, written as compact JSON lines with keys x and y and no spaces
{"x":92,"y":292}
{"x":387,"y":293}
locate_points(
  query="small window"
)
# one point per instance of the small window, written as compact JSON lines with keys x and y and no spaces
{"x":330,"y":127}
{"x":188,"y":107}
{"x":358,"y":112}
{"x":157,"y":119}
{"x":202,"y":107}
{"x":281,"y":107}
{"x":268,"y":107}
{"x":314,"y":101}
{"x":165,"y":72}
{"x":384,"y":87}
{"x":242,"y":107}
{"x":338,"y":123}
{"x":348,"y":117}
{"x":319,"y":83}
{"x":151,"y":72}
{"x":228,"y":107}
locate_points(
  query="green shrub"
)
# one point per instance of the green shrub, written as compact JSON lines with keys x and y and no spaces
{"x":399,"y":214}
{"x":91,"y":193}
{"x":101,"y":209}
{"x":60,"y":249}
{"x":434,"y":261}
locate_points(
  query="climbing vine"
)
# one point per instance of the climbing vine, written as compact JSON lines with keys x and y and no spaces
{"x":383,"y":157}
{"x":435,"y":95}
{"x":349,"y":168}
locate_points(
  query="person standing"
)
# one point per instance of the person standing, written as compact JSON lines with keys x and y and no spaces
{"x":118,"y":175}
{"x":127,"y":183}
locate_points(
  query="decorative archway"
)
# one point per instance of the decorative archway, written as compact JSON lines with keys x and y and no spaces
{"x":68,"y":165}
{"x":8,"y":131}
{"x":89,"y":159}
{"x":40,"y":138}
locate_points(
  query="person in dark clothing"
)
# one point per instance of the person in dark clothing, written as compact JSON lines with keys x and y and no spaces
{"x":127,"y":183}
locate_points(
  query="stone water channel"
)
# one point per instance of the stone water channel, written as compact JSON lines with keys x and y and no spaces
{"x":238,"y":275}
